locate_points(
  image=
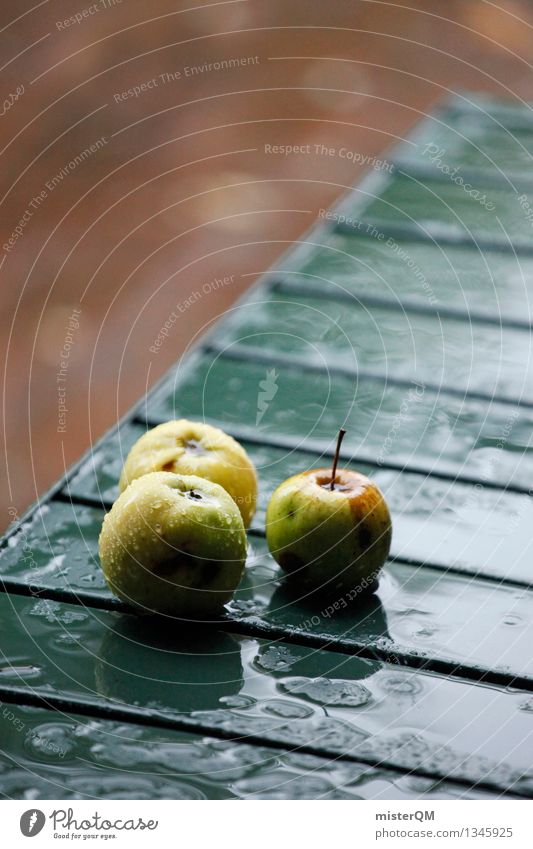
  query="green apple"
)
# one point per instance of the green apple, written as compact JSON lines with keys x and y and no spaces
{"x":329,"y":539}
{"x":195,"y":448}
{"x":173,"y":544}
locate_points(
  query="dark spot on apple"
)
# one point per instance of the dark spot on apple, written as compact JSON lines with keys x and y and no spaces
{"x":166,"y":569}
{"x":168,"y":467}
{"x":194,"y":494}
{"x":291,"y":514}
{"x":365,"y":536}
{"x":185,"y":566}
{"x":290,"y":562}
{"x":206,"y":572}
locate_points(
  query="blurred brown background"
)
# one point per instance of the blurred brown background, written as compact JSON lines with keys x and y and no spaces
{"x":179,"y":189}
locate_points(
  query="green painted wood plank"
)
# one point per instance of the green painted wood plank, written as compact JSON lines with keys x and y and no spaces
{"x":250,"y":688}
{"x":431,"y":350}
{"x":435,"y":432}
{"x":479,"y":150}
{"x":481,"y":213}
{"x":97,"y":477}
{"x":492,"y":111}
{"x":419,"y":614}
{"x":48,"y":754}
{"x":420,"y":274}
{"x":449,"y":524}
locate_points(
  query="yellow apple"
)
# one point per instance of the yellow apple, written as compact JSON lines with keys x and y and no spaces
{"x":195,"y":448}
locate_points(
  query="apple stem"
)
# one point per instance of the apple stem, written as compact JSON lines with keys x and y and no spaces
{"x":336,"y":458}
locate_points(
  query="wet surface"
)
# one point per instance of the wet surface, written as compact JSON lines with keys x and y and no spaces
{"x":424,"y":349}
{"x":425,"y":274}
{"x":57,"y":547}
{"x":99,"y":473}
{"x":468,"y":144}
{"x":51,"y":755}
{"x":385,"y":422}
{"x":294,"y":695}
{"x":432,"y":206}
{"x":418,"y":611}
{"x":450,"y":524}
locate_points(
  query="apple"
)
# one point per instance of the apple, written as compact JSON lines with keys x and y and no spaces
{"x":329,"y":530}
{"x":195,"y":448}
{"x":173,"y":544}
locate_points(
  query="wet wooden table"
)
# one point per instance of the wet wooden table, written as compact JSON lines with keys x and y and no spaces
{"x":405,"y":317}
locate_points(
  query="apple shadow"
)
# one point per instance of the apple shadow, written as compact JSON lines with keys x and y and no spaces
{"x":303,"y":661}
{"x":145,"y":663}
{"x":362,"y":619}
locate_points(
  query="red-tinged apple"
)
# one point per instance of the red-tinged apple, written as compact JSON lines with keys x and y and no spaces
{"x":329,"y":530}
